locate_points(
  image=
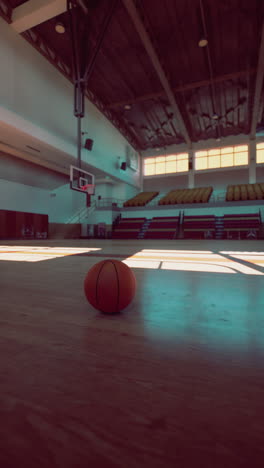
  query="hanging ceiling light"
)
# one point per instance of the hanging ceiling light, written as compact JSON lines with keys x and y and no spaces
{"x":60,"y":28}
{"x":127,"y":106}
{"x":203,"y":42}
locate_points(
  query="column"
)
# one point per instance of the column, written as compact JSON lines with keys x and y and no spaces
{"x":191,"y":182}
{"x":252,"y":161}
{"x":141,"y":172}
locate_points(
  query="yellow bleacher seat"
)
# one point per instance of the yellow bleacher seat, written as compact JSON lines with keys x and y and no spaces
{"x":245,"y":192}
{"x":141,"y":199}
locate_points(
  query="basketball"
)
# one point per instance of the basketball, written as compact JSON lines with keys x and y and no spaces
{"x":110,"y":286}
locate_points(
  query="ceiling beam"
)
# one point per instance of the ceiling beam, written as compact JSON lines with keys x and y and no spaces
{"x":258,"y":86}
{"x":5,"y":10}
{"x":35,"y":12}
{"x":139,"y":26}
{"x":180,"y":89}
{"x":48,"y":52}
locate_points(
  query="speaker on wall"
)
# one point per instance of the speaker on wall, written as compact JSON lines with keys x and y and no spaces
{"x":89,"y":144}
{"x":123,"y":166}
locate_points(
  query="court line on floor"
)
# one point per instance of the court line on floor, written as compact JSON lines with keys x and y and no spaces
{"x":174,"y":256}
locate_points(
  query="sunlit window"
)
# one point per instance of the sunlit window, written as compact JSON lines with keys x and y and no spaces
{"x":260,"y":153}
{"x":201,"y":163}
{"x":214,"y":161}
{"x":171,"y":166}
{"x":222,"y":157}
{"x":166,"y":164}
{"x":150,"y":169}
{"x":226,"y":160}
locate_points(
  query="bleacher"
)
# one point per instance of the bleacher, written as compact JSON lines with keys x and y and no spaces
{"x":231,"y":226}
{"x":242,"y":226}
{"x":141,"y":199}
{"x":128,"y":228}
{"x":245,"y":192}
{"x":235,"y":226}
{"x":195,"y":195}
{"x":163,"y":228}
{"x":199,"y":227}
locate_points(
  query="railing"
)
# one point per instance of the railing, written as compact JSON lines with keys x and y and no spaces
{"x":221,"y":196}
{"x":83,"y":213}
{"x":156,"y":200}
{"x":110,"y":202}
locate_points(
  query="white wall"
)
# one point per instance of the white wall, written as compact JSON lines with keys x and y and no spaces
{"x":117,"y":190}
{"x":101,"y":216}
{"x":36,"y":99}
{"x":26,"y":173}
{"x":63,"y":207}
{"x":220,"y":179}
{"x":260,"y":174}
{"x":150,"y":213}
{"x":19,"y":197}
{"x":103,"y":190}
{"x":124,"y":191}
{"x":165,"y":183}
{"x":60,"y":208}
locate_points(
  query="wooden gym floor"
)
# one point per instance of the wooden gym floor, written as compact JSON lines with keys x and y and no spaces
{"x":176,"y":380}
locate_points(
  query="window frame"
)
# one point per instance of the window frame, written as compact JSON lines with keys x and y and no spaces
{"x":168,"y":158}
{"x":257,"y":144}
{"x":221,"y":152}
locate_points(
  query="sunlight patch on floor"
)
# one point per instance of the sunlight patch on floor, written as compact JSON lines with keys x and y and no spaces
{"x":24,"y":253}
{"x":189,"y":260}
{"x":161,"y":251}
{"x":142,"y":264}
{"x":191,"y":266}
{"x":236,"y":252}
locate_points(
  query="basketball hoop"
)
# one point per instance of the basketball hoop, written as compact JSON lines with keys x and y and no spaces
{"x":89,"y":188}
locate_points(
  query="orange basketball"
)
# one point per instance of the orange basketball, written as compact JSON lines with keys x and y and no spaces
{"x":110,"y":286}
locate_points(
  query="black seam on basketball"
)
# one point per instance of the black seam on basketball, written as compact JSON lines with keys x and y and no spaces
{"x":118,"y":288}
{"x":97,"y":279}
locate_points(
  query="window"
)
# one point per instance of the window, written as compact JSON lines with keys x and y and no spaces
{"x":260,"y":153}
{"x":166,"y":164}
{"x":149,"y":166}
{"x":241,"y":155}
{"x":222,"y":157}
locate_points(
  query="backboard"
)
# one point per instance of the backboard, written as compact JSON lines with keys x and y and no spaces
{"x":81,"y":180}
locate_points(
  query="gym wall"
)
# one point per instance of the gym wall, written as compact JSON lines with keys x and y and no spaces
{"x":37,"y":99}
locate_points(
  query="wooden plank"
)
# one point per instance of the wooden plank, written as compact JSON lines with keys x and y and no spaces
{"x":149,"y":387}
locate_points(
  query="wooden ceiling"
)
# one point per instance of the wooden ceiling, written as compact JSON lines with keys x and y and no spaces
{"x":150,"y":59}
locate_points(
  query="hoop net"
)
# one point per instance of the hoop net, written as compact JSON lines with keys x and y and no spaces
{"x":89,"y":188}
